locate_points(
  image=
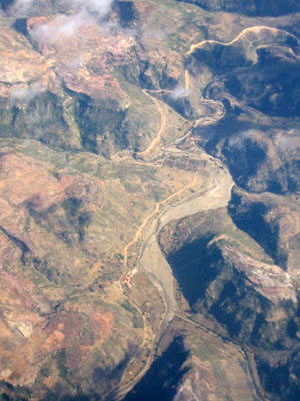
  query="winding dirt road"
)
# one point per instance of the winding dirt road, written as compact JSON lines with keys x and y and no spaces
{"x":163,"y":120}
{"x":215,"y":192}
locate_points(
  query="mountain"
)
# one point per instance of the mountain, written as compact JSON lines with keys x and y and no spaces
{"x":150,"y":210}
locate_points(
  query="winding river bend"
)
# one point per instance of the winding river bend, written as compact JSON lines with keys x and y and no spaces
{"x":215,"y":195}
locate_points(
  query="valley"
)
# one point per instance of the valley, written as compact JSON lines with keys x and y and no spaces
{"x":149,"y":192}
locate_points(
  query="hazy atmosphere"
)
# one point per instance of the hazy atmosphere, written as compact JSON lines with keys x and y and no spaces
{"x":149,"y":200}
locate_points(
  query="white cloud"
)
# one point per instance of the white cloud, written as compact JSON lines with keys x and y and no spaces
{"x":154,"y":35}
{"x":66,"y":26}
{"x":25,"y":94}
{"x":76,"y":63}
{"x":21,"y":7}
{"x":238,"y":140}
{"x":98,"y":8}
{"x":62,"y":26}
{"x":288,"y":143}
{"x":179,"y":92}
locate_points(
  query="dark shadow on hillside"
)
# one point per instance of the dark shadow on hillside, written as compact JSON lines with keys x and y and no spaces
{"x":161,"y":381}
{"x":189,"y":265}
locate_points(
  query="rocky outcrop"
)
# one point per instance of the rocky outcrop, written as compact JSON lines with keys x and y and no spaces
{"x":232,"y":285}
{"x":224,"y":276}
{"x":272,"y":222}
